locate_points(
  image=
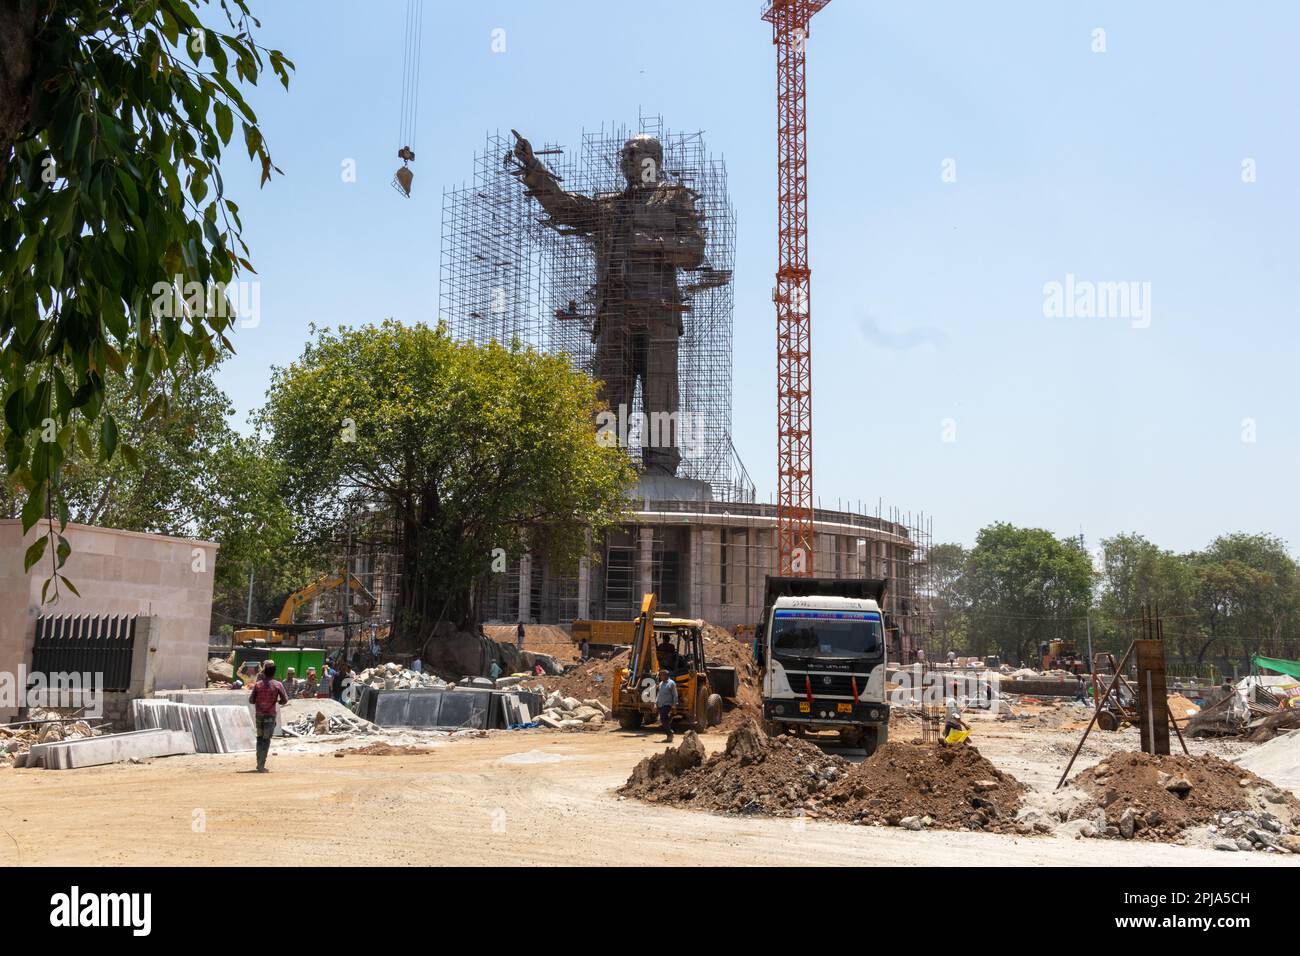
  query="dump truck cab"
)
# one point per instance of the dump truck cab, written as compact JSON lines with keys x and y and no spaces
{"x":677,"y":646}
{"x":823,"y":649}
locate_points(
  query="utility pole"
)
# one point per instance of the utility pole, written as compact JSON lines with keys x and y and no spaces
{"x":347,"y":580}
{"x":248,"y":614}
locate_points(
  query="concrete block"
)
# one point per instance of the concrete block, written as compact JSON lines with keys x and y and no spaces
{"x":111,"y":748}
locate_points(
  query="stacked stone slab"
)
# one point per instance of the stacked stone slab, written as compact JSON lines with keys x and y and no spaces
{"x":466,"y":707}
{"x":215,"y":729}
{"x":109,"y":748}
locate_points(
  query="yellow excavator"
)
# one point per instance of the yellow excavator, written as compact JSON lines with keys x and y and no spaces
{"x":322,"y":585}
{"x":676,"y":645}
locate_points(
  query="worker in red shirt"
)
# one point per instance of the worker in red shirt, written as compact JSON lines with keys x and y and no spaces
{"x":267,"y":696}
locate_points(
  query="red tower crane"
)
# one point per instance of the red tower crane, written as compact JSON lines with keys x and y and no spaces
{"x":790,"y":21}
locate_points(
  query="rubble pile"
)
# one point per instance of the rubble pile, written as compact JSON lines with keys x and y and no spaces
{"x":780,"y":776}
{"x":321,"y":724}
{"x":593,"y":679}
{"x":723,"y":649}
{"x":19,"y":740}
{"x":917,"y":786}
{"x":396,"y":677}
{"x":569,"y":713}
{"x":1203,"y":798}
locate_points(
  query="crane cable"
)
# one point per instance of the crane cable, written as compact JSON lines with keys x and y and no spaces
{"x":410,"y":99}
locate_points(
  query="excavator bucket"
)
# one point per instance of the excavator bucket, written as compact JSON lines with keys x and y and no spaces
{"x":402,"y":180}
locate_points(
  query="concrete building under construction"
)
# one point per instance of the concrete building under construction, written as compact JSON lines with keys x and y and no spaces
{"x":620,"y":254}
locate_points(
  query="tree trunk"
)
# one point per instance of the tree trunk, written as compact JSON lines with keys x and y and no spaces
{"x":17,"y":70}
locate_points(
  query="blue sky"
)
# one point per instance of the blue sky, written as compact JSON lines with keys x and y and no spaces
{"x":928,"y":296}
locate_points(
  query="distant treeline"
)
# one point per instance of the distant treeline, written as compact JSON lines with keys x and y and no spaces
{"x":1019,"y":587}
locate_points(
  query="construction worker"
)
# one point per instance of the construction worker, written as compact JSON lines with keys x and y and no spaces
{"x":666,"y":700}
{"x":519,"y":637}
{"x":953,"y":722}
{"x":267,"y":696}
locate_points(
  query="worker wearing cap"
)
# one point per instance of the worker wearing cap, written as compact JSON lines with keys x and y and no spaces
{"x":666,"y":700}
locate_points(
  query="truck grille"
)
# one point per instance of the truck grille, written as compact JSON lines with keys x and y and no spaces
{"x":827,"y":685}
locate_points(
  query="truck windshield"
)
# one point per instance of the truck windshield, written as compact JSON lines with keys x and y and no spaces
{"x":826,"y":633}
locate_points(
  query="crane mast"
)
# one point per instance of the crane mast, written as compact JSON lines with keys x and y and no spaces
{"x":790,"y":21}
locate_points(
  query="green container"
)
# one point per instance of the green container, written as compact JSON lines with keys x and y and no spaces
{"x":299,"y":658}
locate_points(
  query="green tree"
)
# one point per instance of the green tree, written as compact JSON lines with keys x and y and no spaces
{"x":948,"y":564}
{"x":1247,"y":597}
{"x":1137,"y":573}
{"x":1025,"y":586}
{"x":113,"y":118}
{"x":470,"y":448}
{"x":188,"y":474}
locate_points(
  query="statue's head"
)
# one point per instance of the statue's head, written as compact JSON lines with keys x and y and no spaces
{"x":642,"y":157}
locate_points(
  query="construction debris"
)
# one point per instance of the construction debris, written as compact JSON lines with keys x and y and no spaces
{"x":44,"y":727}
{"x":396,"y":677}
{"x":322,"y":724}
{"x":568,"y":713}
{"x":1166,"y":797}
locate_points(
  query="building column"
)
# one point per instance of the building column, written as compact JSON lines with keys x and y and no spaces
{"x":584,"y":588}
{"x":645,"y":564}
{"x":696,"y":608}
{"x":525,"y":587}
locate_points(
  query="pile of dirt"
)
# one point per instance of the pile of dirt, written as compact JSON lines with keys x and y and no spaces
{"x":721,"y":648}
{"x":1158,"y":797}
{"x":911,"y":785}
{"x":549,"y":639}
{"x":782,"y":776}
{"x":384,"y":750}
{"x":593,"y":679}
{"x":954,"y":788}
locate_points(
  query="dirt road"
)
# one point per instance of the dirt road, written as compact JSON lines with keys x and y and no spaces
{"x":511,"y":798}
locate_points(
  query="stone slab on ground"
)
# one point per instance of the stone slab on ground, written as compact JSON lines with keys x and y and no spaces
{"x":110,"y":748}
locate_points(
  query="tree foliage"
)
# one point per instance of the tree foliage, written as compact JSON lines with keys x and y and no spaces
{"x":114,"y":115}
{"x":190,"y":475}
{"x":1025,"y":586}
{"x":469,"y":448}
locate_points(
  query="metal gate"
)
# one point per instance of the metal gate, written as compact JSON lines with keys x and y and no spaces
{"x":79,"y":643}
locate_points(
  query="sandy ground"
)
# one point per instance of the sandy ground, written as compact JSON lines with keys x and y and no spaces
{"x":523,"y":797}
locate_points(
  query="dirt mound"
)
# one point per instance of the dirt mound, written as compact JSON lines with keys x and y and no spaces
{"x":383,"y":750}
{"x":1151,"y":797}
{"x":593,"y":679}
{"x":782,"y":776}
{"x":723,"y":649}
{"x":549,"y":639}
{"x":955,"y":787}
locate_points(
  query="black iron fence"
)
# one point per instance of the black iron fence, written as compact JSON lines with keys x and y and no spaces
{"x":80,"y":643}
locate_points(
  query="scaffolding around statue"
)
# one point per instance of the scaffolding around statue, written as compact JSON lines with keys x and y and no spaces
{"x":582,"y":278}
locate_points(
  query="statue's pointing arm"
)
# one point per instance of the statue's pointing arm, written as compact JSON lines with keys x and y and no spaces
{"x":566,"y":208}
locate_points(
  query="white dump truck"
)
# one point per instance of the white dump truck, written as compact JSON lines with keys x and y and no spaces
{"x":821,"y":642}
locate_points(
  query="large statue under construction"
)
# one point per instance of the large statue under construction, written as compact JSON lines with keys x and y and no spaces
{"x":641,"y":236}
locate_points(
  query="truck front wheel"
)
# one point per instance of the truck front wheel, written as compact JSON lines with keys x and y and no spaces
{"x":629,"y":719}
{"x":874,"y":738}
